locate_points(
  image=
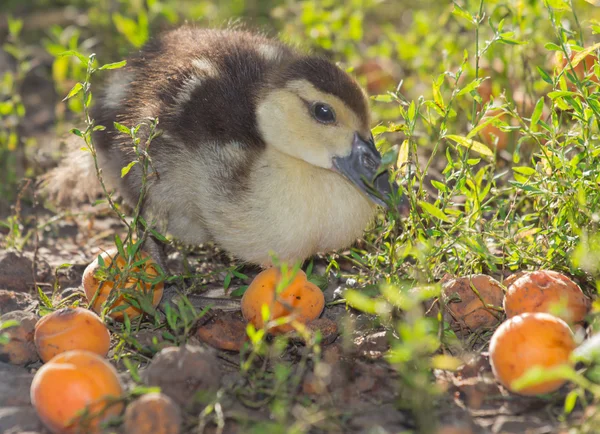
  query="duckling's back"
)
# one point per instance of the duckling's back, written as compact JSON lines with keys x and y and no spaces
{"x":202,"y":85}
{"x":216,"y":179}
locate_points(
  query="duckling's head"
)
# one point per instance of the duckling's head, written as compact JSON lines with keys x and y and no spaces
{"x":314,"y":111}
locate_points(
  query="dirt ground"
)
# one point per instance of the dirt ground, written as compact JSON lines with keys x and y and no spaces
{"x":361,"y":388}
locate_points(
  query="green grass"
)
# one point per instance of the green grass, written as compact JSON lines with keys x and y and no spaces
{"x":475,"y":207}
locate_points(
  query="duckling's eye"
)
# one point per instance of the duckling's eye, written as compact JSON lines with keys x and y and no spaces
{"x":323,"y":113}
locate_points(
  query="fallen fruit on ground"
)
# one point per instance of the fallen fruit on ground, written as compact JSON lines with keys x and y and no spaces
{"x":20,"y":349}
{"x":154,"y":413}
{"x":76,"y":391}
{"x":71,"y":329}
{"x":225,"y":331}
{"x":327,"y":328}
{"x":301,"y":298}
{"x":138,"y":282}
{"x":526,"y":341}
{"x":546,"y":291}
{"x":464,"y":298}
{"x":189,"y":375}
{"x":509,"y":280}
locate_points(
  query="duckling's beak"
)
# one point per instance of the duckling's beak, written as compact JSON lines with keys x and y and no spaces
{"x":361,"y":168}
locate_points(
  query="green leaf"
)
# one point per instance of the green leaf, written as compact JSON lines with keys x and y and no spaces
{"x":73,"y":53}
{"x":126,"y":322}
{"x":242,"y":276}
{"x":560,"y":94}
{"x":500,"y":25}
{"x":254,"y":335}
{"x":54,"y":49}
{"x":74,"y":91}
{"x":434,"y":211}
{"x":583,"y":54}
{"x":507,"y":38}
{"x":538,"y":375}
{"x":471,"y":86}
{"x":44,"y":299}
{"x":481,"y":125}
{"x":570,"y":401}
{"x":9,"y":323}
{"x":6,"y":108}
{"x":135,"y":32}
{"x":135,"y":376}
{"x":14,"y":26}
{"x":440,"y":186}
{"x":158,"y":235}
{"x":524,"y":170}
{"x":321,"y":281}
{"x":125,"y":170}
{"x":446,"y":362}
{"x":412,"y":110}
{"x":471,"y":144}
{"x":383,"y":98}
{"x":403,"y":154}
{"x":559,"y":5}
{"x":462,"y":13}
{"x":437,"y":94}
{"x":120,"y":247}
{"x":227,"y":281}
{"x":364,"y":303}
{"x":537,"y":114}
{"x":115,"y":65}
{"x":239,"y":292}
{"x":550,"y":46}
{"x":122,"y":128}
{"x":379,"y":129}
{"x":545,"y":76}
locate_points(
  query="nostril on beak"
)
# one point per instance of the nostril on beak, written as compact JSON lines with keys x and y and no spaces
{"x":369,"y":163}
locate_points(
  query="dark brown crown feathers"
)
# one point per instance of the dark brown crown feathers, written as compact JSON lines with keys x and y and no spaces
{"x":328,"y":78}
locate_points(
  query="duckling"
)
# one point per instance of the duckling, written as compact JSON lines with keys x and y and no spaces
{"x":263,"y":149}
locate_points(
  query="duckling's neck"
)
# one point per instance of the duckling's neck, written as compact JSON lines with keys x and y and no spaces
{"x":300,"y":209}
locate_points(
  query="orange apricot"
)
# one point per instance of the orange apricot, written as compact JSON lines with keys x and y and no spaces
{"x":530,"y":340}
{"x":380,"y":75}
{"x":75,"y":392}
{"x":19,"y":350}
{"x":492,"y":135}
{"x":301,"y":299}
{"x":465,"y":297}
{"x":485,"y":90}
{"x":153,"y":413}
{"x":71,"y":329}
{"x":91,"y":284}
{"x":544,"y":290}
